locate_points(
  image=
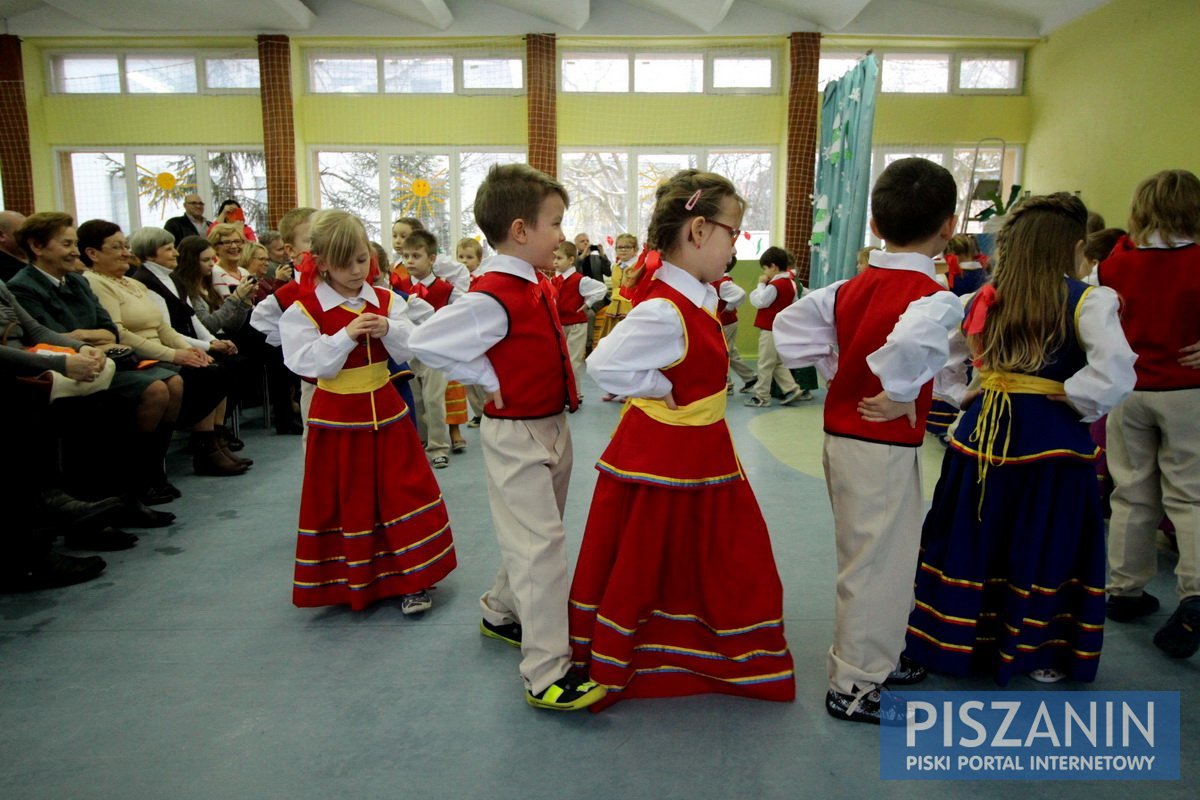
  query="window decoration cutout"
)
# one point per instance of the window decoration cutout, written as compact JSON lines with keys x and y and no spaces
{"x":421,"y":197}
{"x":160,"y":188}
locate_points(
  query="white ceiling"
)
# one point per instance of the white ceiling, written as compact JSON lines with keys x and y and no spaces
{"x":392,"y":18}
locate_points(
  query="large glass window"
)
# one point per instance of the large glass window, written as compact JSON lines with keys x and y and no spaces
{"x":989,"y":73}
{"x":416,"y":72}
{"x":87,"y":74}
{"x":136,"y":189}
{"x":833,"y":67}
{"x":231,"y":73}
{"x":242,"y":176}
{"x":493,"y":73}
{"x":420,"y":188}
{"x":668,"y":73}
{"x":598,"y":184}
{"x":137,"y":72}
{"x":613,"y":192}
{"x":438,"y":188}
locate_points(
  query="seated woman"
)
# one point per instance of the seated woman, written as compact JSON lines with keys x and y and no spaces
{"x":158,"y":258}
{"x":142,"y":326}
{"x":69,"y":306}
{"x":229,"y":245}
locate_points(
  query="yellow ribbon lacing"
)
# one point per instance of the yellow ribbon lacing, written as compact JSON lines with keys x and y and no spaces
{"x":997,"y":411}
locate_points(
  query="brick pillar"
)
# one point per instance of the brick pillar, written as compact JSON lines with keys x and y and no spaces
{"x":802,"y":133}
{"x":16,"y":167}
{"x":541,"y":65}
{"x":279,"y":127}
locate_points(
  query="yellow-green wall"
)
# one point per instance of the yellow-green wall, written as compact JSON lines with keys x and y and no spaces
{"x":1115,"y":97}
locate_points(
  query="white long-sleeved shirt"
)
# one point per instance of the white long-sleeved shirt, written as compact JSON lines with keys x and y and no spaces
{"x":764,"y":294}
{"x":916,"y":350}
{"x":732,"y":294}
{"x":455,"y":340}
{"x":1106,"y":379}
{"x":312,"y":354}
{"x":456,"y":293}
{"x":450,"y":270}
{"x":593,"y":291}
{"x":630,"y":359}
{"x":204,"y":336}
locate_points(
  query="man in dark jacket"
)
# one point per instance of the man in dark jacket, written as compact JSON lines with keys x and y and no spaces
{"x":191,"y":222}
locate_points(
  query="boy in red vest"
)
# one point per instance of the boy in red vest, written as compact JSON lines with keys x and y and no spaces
{"x":776,"y":291}
{"x":576,"y":294}
{"x":418,"y":253}
{"x":729,"y":297}
{"x":505,"y":336}
{"x":886,"y":333}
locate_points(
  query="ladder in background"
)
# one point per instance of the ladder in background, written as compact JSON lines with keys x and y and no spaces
{"x":985,"y":182}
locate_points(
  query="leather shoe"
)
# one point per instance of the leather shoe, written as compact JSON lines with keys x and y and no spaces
{"x":156,"y":496}
{"x":52,"y":570}
{"x":60,"y":508}
{"x":104,"y":540}
{"x":907,"y":673}
{"x":137,"y":514}
{"x":867,"y":708}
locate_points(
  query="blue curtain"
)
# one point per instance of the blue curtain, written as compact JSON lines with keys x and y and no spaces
{"x":843,"y":173}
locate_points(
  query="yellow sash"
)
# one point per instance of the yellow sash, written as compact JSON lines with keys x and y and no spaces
{"x":997,"y":404}
{"x":357,"y":380}
{"x":704,"y":411}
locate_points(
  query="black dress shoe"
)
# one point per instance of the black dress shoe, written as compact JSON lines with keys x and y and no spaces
{"x":102,"y":540}
{"x":1127,"y":608}
{"x":52,"y":570}
{"x":136,"y":514}
{"x":1180,"y":637}
{"x":231,"y":442}
{"x":908,"y":673}
{"x":157,"y":496}
{"x":868,"y":708}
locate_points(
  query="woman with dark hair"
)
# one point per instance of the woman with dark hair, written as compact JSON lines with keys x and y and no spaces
{"x":143,"y":326}
{"x":193,"y":276}
{"x":231,"y":212}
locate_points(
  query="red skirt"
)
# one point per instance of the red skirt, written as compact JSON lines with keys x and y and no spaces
{"x":372,"y":521}
{"x":676,"y":593}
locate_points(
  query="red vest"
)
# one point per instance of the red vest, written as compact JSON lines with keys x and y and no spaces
{"x":727,"y":315}
{"x":569,"y":299}
{"x":866,"y":309}
{"x":1160,"y":295}
{"x":368,"y":409}
{"x":531,"y":361}
{"x":437,"y":294}
{"x":785,"y":294}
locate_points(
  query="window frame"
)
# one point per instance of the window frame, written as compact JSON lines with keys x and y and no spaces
{"x":199,"y":57}
{"x":457,"y":55}
{"x":706,"y":55}
{"x":1006,"y":55}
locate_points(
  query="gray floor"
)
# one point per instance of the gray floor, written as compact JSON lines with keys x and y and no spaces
{"x":185,"y":672}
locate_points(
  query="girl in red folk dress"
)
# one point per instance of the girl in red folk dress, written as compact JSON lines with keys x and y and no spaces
{"x":676,"y":591}
{"x":372,"y":521}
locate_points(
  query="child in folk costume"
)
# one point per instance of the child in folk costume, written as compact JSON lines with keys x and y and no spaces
{"x":469,"y":253}
{"x":575,"y":294}
{"x":1011,"y":575}
{"x":372,"y":521}
{"x":885,"y":332}
{"x":675,"y":589}
{"x":729,"y":297}
{"x":420,"y":251}
{"x":1154,"y":437}
{"x":619,"y":306}
{"x":966,"y":267}
{"x":776,"y":291}
{"x":505,"y":336}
